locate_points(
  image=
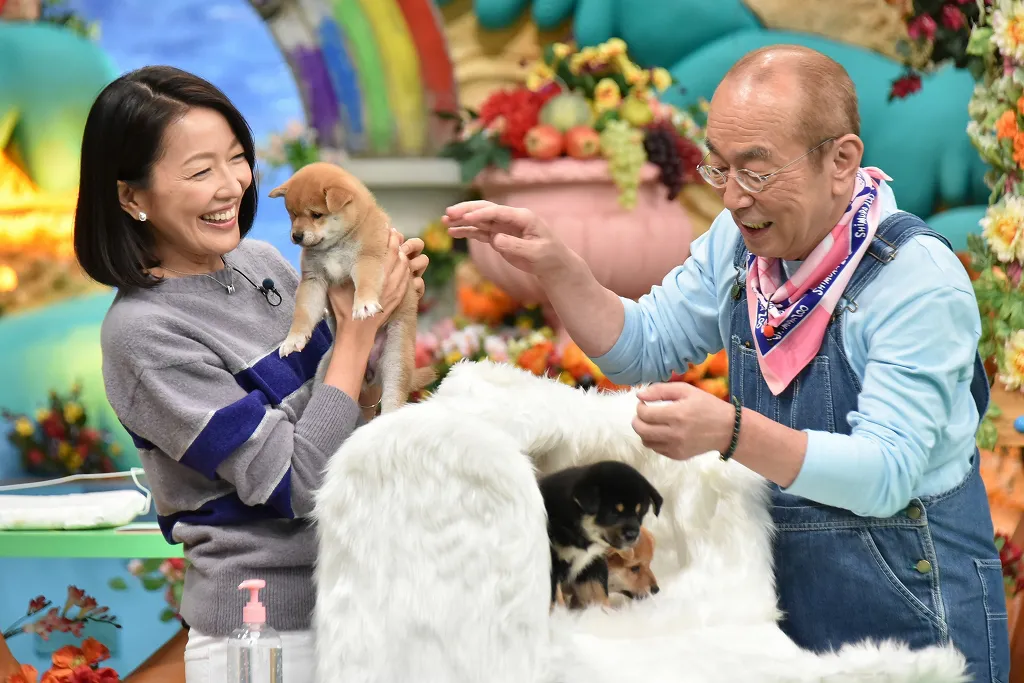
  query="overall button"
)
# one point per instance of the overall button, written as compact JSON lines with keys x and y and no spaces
{"x":924,"y":566}
{"x":914,"y":512}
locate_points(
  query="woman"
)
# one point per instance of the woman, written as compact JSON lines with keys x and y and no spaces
{"x":233,"y":437}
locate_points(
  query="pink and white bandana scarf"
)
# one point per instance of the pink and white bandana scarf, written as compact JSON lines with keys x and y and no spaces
{"x":789,"y":317}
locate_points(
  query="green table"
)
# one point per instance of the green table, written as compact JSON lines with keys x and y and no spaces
{"x":140,"y":540}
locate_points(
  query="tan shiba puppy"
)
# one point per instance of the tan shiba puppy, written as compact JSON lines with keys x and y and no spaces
{"x":344,"y":237}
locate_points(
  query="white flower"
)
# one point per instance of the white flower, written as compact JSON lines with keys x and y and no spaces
{"x":496,"y":348}
{"x":1008,"y":29}
{"x":1003,"y":228}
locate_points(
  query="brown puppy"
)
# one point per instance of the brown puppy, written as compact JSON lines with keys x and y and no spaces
{"x":344,"y":238}
{"x":629,"y":569}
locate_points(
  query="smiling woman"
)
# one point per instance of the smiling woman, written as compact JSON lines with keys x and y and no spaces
{"x":233,"y":436}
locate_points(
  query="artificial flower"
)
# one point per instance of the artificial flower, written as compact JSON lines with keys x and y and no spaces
{"x":1006,"y":125}
{"x":921,"y":27}
{"x":24,"y":427}
{"x":1003,"y":228}
{"x":953,"y":18}
{"x":606,"y":95}
{"x":661,"y":79}
{"x":539,"y":76}
{"x":561,"y":50}
{"x":436,"y":237}
{"x":1012,"y":370}
{"x":1008,"y":29}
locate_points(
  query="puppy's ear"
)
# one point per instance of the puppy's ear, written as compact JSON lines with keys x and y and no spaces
{"x":337,"y":197}
{"x":656,"y":499}
{"x":279,"y":191}
{"x":588,"y":498}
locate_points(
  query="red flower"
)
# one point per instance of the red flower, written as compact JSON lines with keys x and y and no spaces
{"x":36,"y":604}
{"x":35,"y":457}
{"x":904,"y":86}
{"x":953,"y":18}
{"x":922,"y":26}
{"x":1009,"y":555}
{"x":53,"y":428}
{"x":518,"y":109}
{"x":88,"y":436}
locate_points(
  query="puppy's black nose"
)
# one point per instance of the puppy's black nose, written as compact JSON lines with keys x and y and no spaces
{"x":297,"y":237}
{"x":654,"y":589}
{"x":630,"y":534}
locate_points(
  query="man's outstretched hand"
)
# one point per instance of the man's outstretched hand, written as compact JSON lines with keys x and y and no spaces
{"x":518,"y":235}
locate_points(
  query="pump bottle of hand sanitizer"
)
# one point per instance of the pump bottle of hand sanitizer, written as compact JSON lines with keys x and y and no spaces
{"x":254,"y":650}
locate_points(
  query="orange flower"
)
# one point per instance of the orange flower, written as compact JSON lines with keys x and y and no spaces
{"x":28,"y":674}
{"x":1006,"y":124}
{"x":68,"y":658}
{"x":485,"y":303}
{"x":537,"y":358}
{"x":1020,"y":105}
{"x":1018,"y":149}
{"x":578,"y":364}
{"x":94,"y":651}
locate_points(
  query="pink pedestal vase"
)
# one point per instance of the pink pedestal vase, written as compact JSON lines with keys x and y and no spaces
{"x":628,"y":251}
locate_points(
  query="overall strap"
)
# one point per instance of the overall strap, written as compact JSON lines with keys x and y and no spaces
{"x":893,"y":232}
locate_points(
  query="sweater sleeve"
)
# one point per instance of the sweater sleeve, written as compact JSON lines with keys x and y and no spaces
{"x":197,"y":413}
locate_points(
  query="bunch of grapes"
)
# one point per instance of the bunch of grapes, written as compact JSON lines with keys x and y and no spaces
{"x":674,"y":154}
{"x":623,"y":147}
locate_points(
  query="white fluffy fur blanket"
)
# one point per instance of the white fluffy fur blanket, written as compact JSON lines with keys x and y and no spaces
{"x":433,"y":561}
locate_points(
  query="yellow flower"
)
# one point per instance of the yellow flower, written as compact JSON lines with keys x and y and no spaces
{"x":606,"y":95}
{"x":453,"y":357}
{"x":613,"y":47}
{"x":1012,"y":370}
{"x":436,"y":238}
{"x":42,"y":414}
{"x":638,"y":78}
{"x":73,"y":460}
{"x":1008,"y":30}
{"x":64,"y":450}
{"x":23,"y":427}
{"x":539,"y":76}
{"x":72,"y":412}
{"x":1003,"y":228}
{"x":561,"y":50}
{"x":115,"y":449}
{"x":565,"y":377}
{"x":661,"y":78}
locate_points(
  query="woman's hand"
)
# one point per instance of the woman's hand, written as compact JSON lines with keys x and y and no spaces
{"x":397,"y":280}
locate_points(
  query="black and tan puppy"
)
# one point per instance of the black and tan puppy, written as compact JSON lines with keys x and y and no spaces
{"x":590,"y":509}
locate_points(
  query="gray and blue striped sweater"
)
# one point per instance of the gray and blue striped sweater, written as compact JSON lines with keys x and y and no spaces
{"x":234,"y":439}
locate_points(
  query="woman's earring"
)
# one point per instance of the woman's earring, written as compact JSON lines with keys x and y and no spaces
{"x":142,"y":216}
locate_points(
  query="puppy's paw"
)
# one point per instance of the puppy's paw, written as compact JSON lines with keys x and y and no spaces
{"x":293,"y":343}
{"x":365,"y":309}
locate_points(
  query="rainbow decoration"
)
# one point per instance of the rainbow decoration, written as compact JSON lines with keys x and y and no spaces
{"x":371,"y":73}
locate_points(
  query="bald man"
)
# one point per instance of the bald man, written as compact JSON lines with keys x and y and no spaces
{"x":852,"y":331}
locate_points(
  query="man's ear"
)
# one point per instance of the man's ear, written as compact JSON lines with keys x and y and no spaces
{"x":337,"y":197}
{"x":588,"y":498}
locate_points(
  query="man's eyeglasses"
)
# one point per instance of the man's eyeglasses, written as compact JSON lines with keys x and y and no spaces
{"x":747,"y":179}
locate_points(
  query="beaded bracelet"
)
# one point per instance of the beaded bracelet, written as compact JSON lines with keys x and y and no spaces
{"x":735,"y":430}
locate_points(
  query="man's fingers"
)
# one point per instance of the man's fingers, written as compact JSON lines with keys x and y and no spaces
{"x":459,"y":210}
{"x":513,"y":247}
{"x":470,"y":232}
{"x":664,"y":391}
{"x":494,"y":218}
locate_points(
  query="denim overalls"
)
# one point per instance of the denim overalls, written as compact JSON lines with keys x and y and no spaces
{"x":929,"y":574}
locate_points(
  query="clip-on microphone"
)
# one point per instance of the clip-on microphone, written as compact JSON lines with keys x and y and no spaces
{"x":266,"y":289}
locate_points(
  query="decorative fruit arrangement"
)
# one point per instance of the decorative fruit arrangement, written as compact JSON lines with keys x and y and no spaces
{"x":591,"y":103}
{"x":710,"y":375}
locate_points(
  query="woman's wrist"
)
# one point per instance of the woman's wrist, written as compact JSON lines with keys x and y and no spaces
{"x":347,"y":366}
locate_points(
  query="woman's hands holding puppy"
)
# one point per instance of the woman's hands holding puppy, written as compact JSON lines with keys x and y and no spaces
{"x":405,"y":266}
{"x":679,"y":421}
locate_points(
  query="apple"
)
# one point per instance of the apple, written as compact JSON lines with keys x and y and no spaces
{"x":582,"y":142}
{"x":544,"y":142}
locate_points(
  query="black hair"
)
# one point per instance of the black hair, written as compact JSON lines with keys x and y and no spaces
{"x":123,"y":139}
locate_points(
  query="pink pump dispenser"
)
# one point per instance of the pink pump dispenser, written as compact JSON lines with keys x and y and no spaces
{"x":254,"y":612}
{"x":254,"y":650}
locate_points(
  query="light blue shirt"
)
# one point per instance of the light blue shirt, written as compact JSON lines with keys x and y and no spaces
{"x":911,"y":341}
